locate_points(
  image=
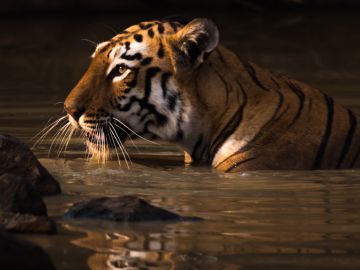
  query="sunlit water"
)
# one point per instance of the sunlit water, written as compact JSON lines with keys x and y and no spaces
{"x":254,"y":220}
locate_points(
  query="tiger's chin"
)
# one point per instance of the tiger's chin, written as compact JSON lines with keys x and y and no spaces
{"x":105,"y":146}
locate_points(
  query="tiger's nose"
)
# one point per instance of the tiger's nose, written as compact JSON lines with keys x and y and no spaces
{"x":75,"y":112}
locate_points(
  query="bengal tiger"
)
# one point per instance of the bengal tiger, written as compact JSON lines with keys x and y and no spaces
{"x":173,"y":81}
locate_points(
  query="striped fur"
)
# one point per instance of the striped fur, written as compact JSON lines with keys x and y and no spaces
{"x":165,"y":80}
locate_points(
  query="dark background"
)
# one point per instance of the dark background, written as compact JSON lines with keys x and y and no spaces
{"x":45,"y":46}
{"x":117,"y":6}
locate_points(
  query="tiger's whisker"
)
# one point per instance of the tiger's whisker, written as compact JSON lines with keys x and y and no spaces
{"x":117,"y":154}
{"x":141,"y":137}
{"x":132,"y":141}
{"x":121,"y":146}
{"x":90,"y":41}
{"x":72,"y":131}
{"x":66,"y":137}
{"x":58,"y":134}
{"x":45,"y":131}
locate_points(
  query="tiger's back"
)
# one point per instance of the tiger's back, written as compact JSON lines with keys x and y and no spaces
{"x":280,"y":123}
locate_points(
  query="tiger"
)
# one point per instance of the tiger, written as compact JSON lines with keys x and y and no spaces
{"x":173,"y":81}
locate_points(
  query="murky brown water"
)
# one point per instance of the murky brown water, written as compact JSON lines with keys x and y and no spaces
{"x":257,"y":220}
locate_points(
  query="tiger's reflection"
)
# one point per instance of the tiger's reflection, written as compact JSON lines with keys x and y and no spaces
{"x":125,"y":250}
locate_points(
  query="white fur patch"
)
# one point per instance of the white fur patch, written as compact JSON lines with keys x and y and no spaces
{"x":229,"y":147}
{"x":137,"y":47}
{"x":73,"y":121}
{"x":122,"y":76}
{"x":99,"y":47}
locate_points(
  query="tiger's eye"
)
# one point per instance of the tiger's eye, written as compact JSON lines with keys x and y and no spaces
{"x":121,"y":69}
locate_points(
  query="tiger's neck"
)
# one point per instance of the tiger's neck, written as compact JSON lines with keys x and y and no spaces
{"x":218,"y":109}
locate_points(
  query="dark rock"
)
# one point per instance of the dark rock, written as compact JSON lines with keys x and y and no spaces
{"x":19,"y":196}
{"x":17,"y":158}
{"x":125,"y":208}
{"x":17,"y":254}
{"x":25,"y":223}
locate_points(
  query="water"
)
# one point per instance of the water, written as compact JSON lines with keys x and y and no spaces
{"x":254,"y":220}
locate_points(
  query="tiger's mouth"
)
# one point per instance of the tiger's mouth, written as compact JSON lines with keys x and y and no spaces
{"x":108,"y":135}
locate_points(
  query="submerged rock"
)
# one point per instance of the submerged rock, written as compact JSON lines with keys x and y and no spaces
{"x":17,"y":158}
{"x":19,"y":196}
{"x":125,"y":208}
{"x":26,"y":223}
{"x":17,"y":254}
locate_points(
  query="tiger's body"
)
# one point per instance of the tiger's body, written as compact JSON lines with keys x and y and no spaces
{"x":174,"y":82}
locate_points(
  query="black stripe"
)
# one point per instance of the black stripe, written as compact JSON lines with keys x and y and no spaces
{"x":197,"y":145}
{"x":151,"y":33}
{"x":283,"y":112}
{"x":94,"y":121}
{"x":349,"y":137}
{"x":138,"y":37}
{"x":275,"y":82}
{"x":180,"y":133}
{"x":232,"y":125}
{"x":160,"y":52}
{"x":136,"y":56}
{"x":262,"y":130}
{"x":226,"y":85}
{"x":239,"y":163}
{"x":160,"y":118}
{"x":126,"y":107}
{"x":301,"y":96}
{"x":145,"y":26}
{"x":143,"y":103}
{"x":171,"y":102}
{"x":251,"y":71}
{"x":173,"y":25}
{"x":164,"y":79}
{"x":146,"y":61}
{"x":108,"y":54}
{"x":150,"y":73}
{"x":204,"y":154}
{"x":161,"y":28}
{"x":325,"y":139}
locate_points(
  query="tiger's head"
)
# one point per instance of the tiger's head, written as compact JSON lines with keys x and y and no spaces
{"x":137,"y":83}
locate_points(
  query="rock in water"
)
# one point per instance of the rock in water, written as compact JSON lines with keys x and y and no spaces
{"x":125,"y":208}
{"x":17,"y":158}
{"x":19,"y":196}
{"x":26,"y":223}
{"x":17,"y":254}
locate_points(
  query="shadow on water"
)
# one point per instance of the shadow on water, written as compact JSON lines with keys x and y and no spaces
{"x":257,"y":220}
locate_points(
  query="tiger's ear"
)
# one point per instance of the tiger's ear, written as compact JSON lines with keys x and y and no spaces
{"x":193,"y":42}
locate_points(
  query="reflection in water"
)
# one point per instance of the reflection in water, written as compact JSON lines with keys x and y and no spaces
{"x":258,"y":220}
{"x":275,"y":220}
{"x":125,"y":250}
